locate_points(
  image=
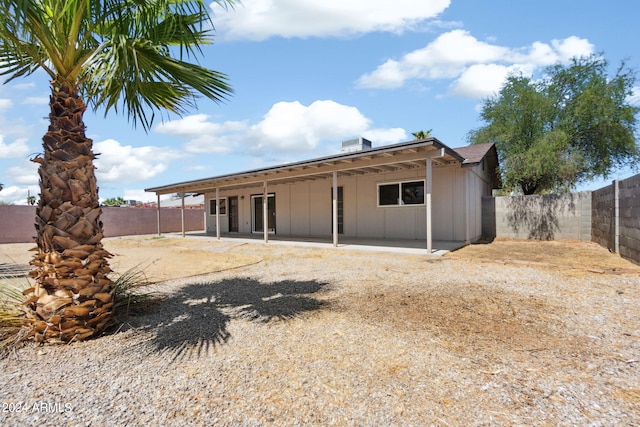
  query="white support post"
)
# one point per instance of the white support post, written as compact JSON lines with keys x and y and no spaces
{"x":467,"y":207}
{"x":218,"y":213}
{"x":427,"y":199}
{"x":265,"y":213}
{"x":182,"y":212}
{"x":428,"y":188}
{"x":158,"y":216}
{"x":334,"y":210}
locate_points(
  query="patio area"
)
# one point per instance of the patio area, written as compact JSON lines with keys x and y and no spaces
{"x":415,"y":247}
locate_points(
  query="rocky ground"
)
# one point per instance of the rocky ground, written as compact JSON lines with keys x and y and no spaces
{"x":506,"y":333}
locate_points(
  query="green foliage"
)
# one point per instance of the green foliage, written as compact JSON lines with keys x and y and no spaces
{"x":132,"y":293}
{"x":574,"y":125}
{"x":421,"y":134}
{"x":114,"y":201}
{"x":13,"y":322}
{"x":120,"y":54}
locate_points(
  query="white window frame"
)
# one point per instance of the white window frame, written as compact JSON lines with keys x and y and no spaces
{"x":212,"y":204}
{"x":399,"y":184}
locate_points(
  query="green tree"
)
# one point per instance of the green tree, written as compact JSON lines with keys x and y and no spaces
{"x":114,"y":201}
{"x":573,"y":125}
{"x":131,"y":55}
{"x":31,"y":200}
{"x":421,"y":134}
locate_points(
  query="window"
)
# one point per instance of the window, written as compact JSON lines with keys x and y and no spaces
{"x":388,"y":194}
{"x":401,"y":193}
{"x":413,"y":193}
{"x":222,"y":202}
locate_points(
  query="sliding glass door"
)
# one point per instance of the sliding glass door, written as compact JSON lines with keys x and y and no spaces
{"x":257,"y":214}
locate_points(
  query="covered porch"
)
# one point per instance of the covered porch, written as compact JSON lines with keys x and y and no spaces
{"x":397,"y":246}
{"x":405,"y":158}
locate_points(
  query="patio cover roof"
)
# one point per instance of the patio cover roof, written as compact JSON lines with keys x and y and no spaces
{"x":405,"y":155}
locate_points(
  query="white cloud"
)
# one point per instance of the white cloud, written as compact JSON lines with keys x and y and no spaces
{"x":17,"y":148}
{"x":385,"y":136}
{"x":18,"y":195}
{"x":203,"y":135}
{"x":295,"y":128}
{"x":25,"y":174}
{"x":123,"y":163}
{"x":287,"y":128}
{"x":261,"y":19}
{"x":484,"y":80}
{"x":476,"y":68}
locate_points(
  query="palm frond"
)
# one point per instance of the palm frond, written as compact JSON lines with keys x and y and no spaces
{"x":147,"y":79}
{"x":133,"y":293}
{"x":13,"y":322}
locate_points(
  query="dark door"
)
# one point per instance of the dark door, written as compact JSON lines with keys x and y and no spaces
{"x":258,"y":214}
{"x":233,"y":214}
{"x":340,"y":211}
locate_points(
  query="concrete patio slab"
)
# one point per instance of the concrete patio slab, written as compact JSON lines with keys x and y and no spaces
{"x":414,"y":247}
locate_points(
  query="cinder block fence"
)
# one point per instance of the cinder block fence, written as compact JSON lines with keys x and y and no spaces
{"x":548,"y":217}
{"x":17,"y":222}
{"x":609,"y":216}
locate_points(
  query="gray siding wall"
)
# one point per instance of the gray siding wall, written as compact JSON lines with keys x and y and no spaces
{"x":546,"y":217}
{"x":304,"y":208}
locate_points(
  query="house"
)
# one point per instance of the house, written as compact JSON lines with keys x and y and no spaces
{"x":191,"y":201}
{"x":416,"y":190}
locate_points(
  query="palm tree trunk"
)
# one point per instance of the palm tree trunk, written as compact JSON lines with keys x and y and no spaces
{"x":73,"y":297}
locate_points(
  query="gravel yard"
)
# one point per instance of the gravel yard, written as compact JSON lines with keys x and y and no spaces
{"x":506,"y":333}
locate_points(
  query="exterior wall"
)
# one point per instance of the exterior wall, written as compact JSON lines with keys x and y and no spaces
{"x":616,"y":212}
{"x":603,"y":216}
{"x":478,"y":186}
{"x":304,"y":208}
{"x":17,"y":222}
{"x":133,"y":221}
{"x":548,"y":217}
{"x":629,"y":211}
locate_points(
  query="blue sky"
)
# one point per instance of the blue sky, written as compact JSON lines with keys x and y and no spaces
{"x":309,"y":74}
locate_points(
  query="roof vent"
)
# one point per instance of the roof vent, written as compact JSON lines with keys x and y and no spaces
{"x":357,"y":144}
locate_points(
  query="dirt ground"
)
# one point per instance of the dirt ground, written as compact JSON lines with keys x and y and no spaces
{"x":164,"y":258}
{"x":578,"y":255}
{"x":508,"y":332}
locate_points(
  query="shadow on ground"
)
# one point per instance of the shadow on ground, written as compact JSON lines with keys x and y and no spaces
{"x":195,"y":319}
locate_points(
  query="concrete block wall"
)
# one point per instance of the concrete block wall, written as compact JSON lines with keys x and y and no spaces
{"x":544,"y":217}
{"x":602,"y":216}
{"x":616,"y":217}
{"x":629,"y":218}
{"x":17,"y":222}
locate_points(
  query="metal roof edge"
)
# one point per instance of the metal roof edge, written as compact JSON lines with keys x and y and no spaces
{"x":340,"y":156}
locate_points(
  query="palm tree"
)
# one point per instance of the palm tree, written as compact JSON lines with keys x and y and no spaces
{"x":421,"y":134}
{"x":106,"y":54}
